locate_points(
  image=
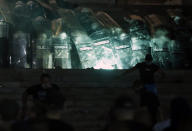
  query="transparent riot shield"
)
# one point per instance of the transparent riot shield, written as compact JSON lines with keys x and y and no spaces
{"x":139,"y":39}
{"x":162,"y":58}
{"x":104,"y":50}
{"x":86,"y":54}
{"x":75,"y":37}
{"x":84,"y":48}
{"x":19,"y":51}
{"x":61,"y":46}
{"x":43,"y":54}
{"x":178,"y":55}
{"x":120,"y":41}
{"x":140,"y":47}
{"x":180,"y":49}
{"x":105,"y":55}
{"x":100,"y":47}
{"x":138,"y":56}
{"x":161,"y":52}
{"x":89,"y":21}
{"x":4,"y":30}
{"x":4,"y":42}
{"x":123,"y":52}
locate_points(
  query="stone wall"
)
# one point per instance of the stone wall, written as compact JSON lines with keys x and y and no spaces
{"x":91,"y":93}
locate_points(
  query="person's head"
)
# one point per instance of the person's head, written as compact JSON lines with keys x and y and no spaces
{"x":45,"y":78}
{"x":148,"y":58}
{"x":9,"y":110}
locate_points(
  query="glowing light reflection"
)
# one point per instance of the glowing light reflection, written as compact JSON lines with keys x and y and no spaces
{"x":104,"y":64}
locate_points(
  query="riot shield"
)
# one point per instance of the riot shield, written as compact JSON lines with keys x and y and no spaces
{"x":19,"y":50}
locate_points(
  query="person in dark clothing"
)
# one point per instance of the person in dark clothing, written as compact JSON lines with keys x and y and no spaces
{"x":148,"y":90}
{"x":180,"y":115}
{"x":41,"y":94}
{"x":52,"y":120}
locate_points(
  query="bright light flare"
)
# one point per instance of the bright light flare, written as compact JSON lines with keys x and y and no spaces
{"x":63,"y":35}
{"x":104,"y":64}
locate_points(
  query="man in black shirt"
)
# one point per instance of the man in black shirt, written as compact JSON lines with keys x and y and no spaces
{"x":42,"y":95}
{"x":148,"y":92}
{"x":52,"y":119}
{"x":147,"y":71}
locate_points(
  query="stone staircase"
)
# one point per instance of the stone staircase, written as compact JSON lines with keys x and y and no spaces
{"x":90,"y":93}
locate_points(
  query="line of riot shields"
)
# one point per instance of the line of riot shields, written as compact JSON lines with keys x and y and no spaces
{"x":84,"y":39}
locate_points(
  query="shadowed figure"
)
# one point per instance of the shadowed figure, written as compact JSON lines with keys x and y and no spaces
{"x":180,"y":115}
{"x":42,"y":94}
{"x":148,"y":91}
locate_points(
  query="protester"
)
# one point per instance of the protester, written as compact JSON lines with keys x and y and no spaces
{"x":180,"y":114}
{"x":41,"y":94}
{"x":148,"y":91}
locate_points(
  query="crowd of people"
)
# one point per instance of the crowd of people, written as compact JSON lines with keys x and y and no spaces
{"x":42,"y":107}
